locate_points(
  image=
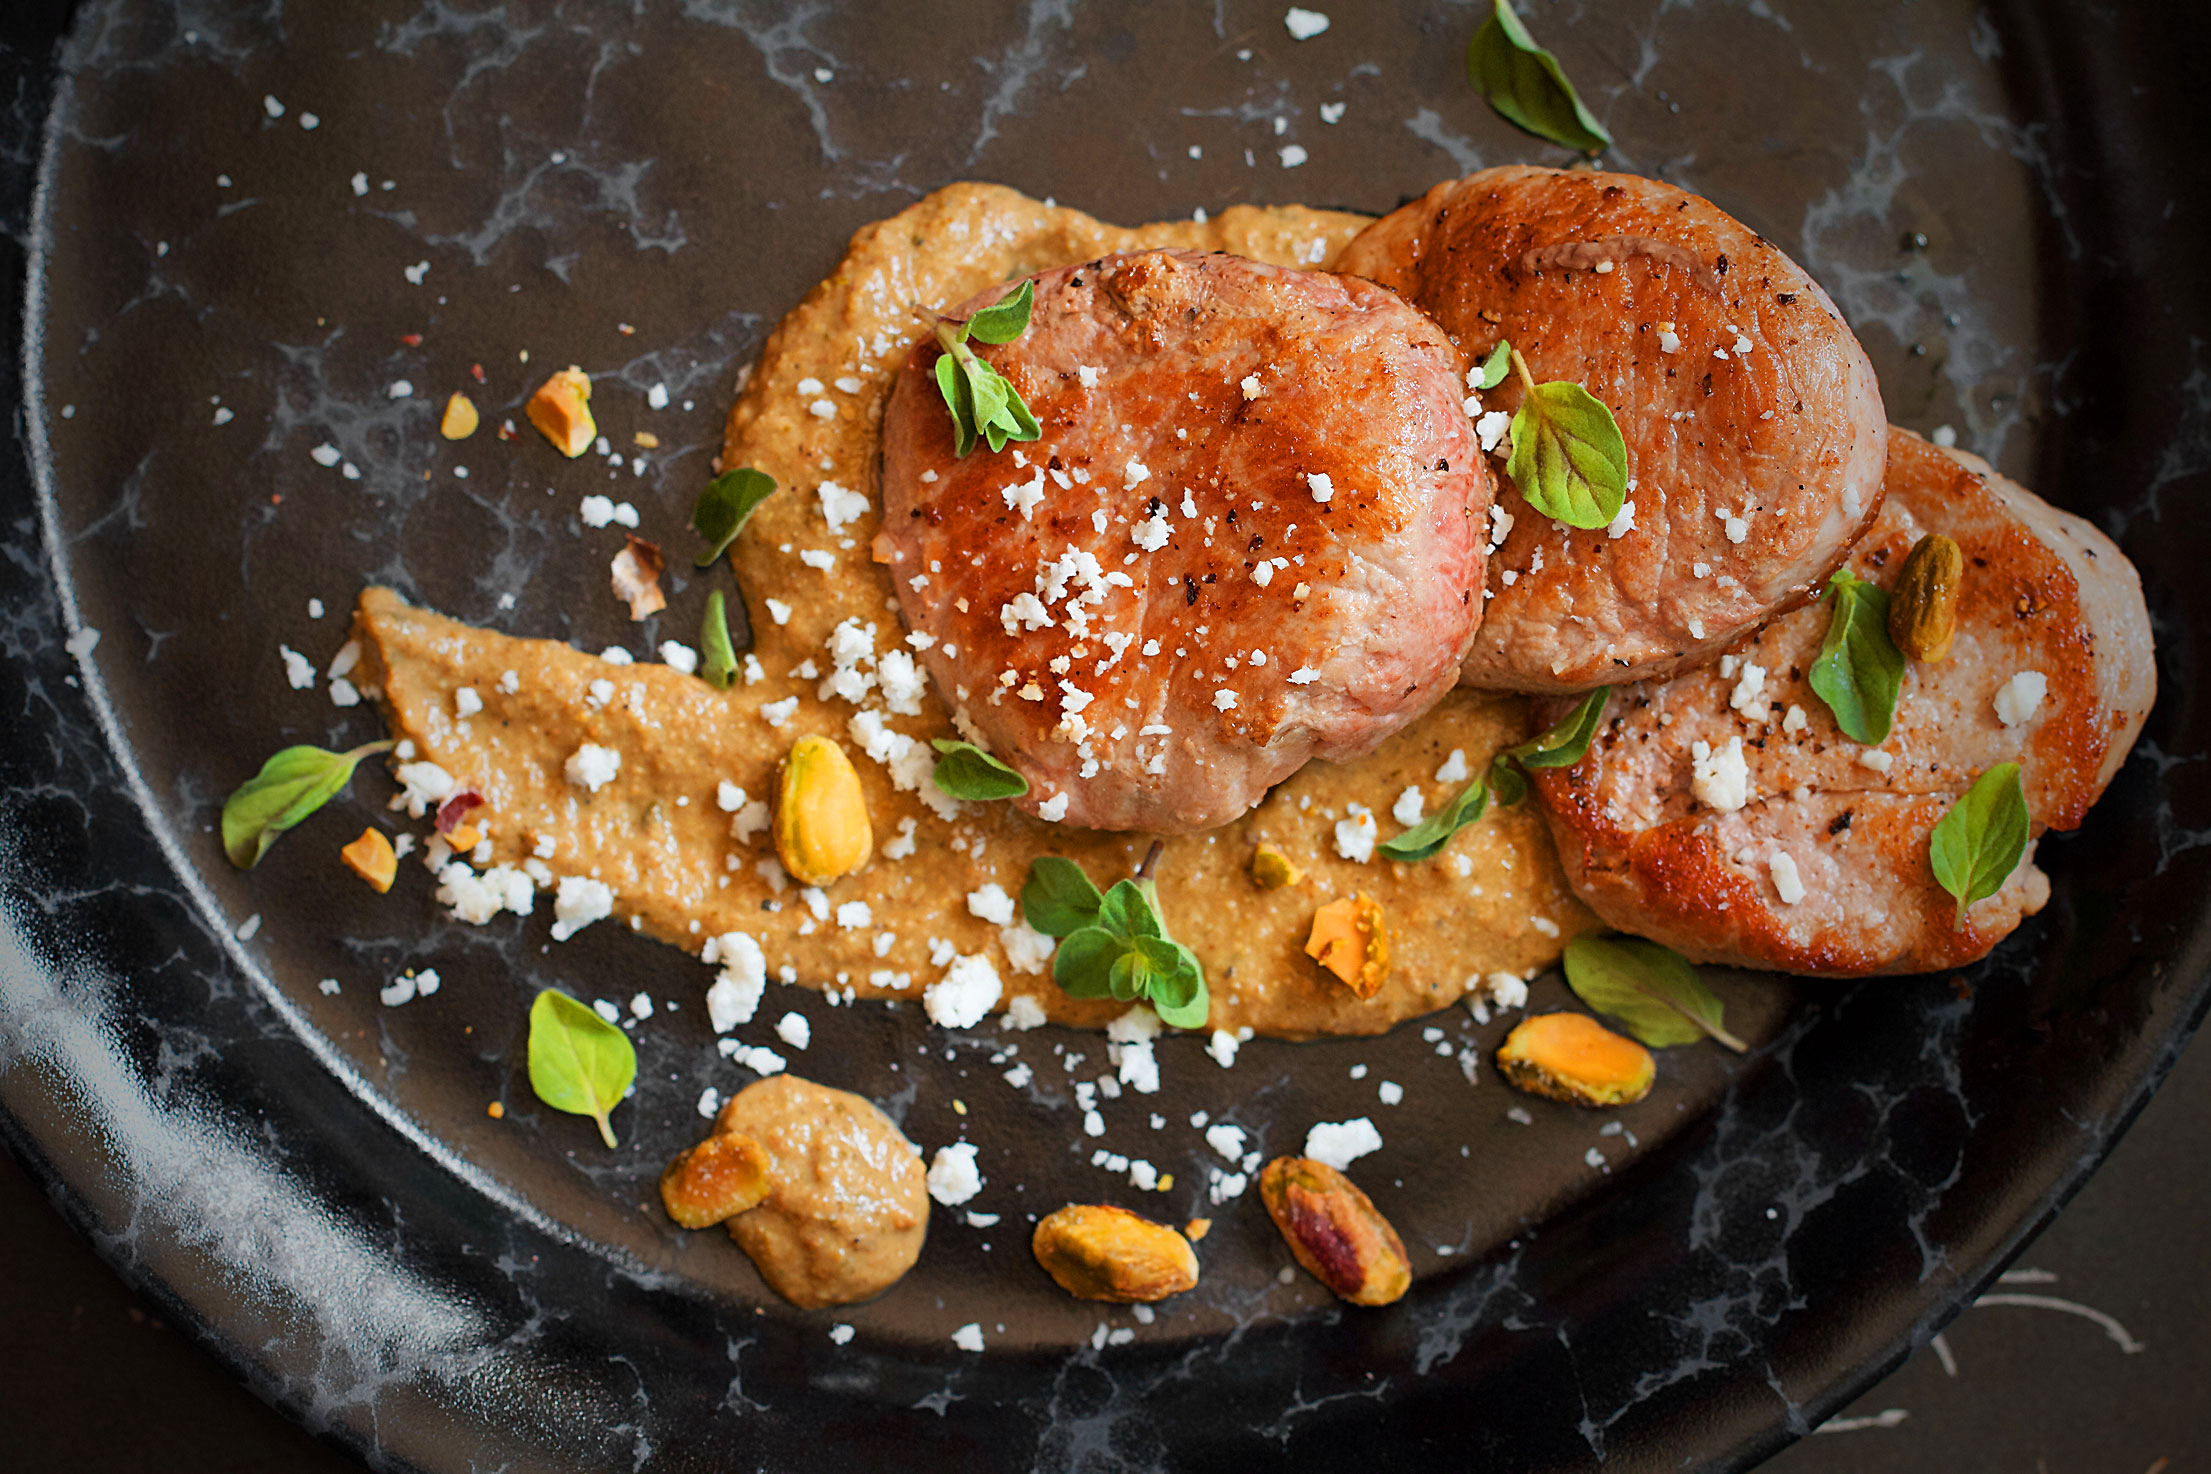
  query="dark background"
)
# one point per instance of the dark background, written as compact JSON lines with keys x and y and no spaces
{"x":98,"y":1381}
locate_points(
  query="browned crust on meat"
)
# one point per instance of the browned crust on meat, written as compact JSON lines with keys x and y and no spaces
{"x":1648,"y":858}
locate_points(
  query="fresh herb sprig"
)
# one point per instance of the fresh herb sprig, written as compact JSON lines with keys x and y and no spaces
{"x":1114,"y":945}
{"x":1859,"y":672}
{"x":289,"y":787}
{"x":579,"y":1063}
{"x":1568,"y":457}
{"x":966,"y":771}
{"x":984,"y":406}
{"x":1653,"y":991}
{"x":1560,"y":746}
{"x":1527,"y":87}
{"x":1974,"y":848}
{"x":724,"y":508}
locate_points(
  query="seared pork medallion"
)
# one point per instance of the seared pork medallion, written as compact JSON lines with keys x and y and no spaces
{"x":1725,"y":814}
{"x":1247,"y":534}
{"x":1753,"y":426}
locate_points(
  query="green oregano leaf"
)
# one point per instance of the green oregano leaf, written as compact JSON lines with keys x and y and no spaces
{"x":1527,"y":87}
{"x":1859,"y":672}
{"x":1058,"y":898}
{"x":725,"y":506}
{"x":717,"y":656}
{"x":1561,"y":745}
{"x":966,"y":771}
{"x":1114,"y":945}
{"x":289,"y":787}
{"x":1974,"y":848}
{"x":1653,"y":991}
{"x":579,"y":1063}
{"x":1426,"y":839}
{"x":983,"y":405}
{"x":1568,"y":457}
{"x":1496,"y":366}
{"x":1005,"y":319}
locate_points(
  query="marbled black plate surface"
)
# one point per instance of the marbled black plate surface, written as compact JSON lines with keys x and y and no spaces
{"x":2005,"y":199}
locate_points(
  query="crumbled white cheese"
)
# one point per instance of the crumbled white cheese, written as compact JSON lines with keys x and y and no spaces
{"x":592,"y":766}
{"x":953,"y":1175}
{"x":1227,"y":1139}
{"x":1720,"y":780}
{"x":1222,"y":1046}
{"x":1304,"y":675}
{"x":1624,"y":523}
{"x":735,"y":995}
{"x":1323,"y":489}
{"x":1152,"y":533}
{"x":1876,"y":759}
{"x":1355,"y":835}
{"x":1454,"y":769}
{"x":1224,"y":700}
{"x":991,"y":904}
{"x":969,"y":1337}
{"x":1303,"y":24}
{"x":839,"y":506}
{"x":1340,"y":1143}
{"x":579,"y":902}
{"x":1023,"y":1012}
{"x":1409,"y":806}
{"x":1491,"y":429}
{"x":1252,"y":387}
{"x":1748,"y":689}
{"x":778,"y":611}
{"x":794,"y":1030}
{"x":968,"y":991}
{"x":422,"y":786}
{"x":776,"y":713}
{"x":1053,"y":809}
{"x":1787,"y":883}
{"x":1794,"y":720}
{"x":2019,"y":698}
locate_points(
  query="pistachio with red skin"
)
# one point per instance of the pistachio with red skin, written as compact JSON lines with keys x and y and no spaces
{"x":1334,"y":1231}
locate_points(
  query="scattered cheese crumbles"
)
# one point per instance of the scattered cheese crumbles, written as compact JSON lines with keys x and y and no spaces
{"x":1876,"y":759}
{"x":1624,"y":523}
{"x":299,"y":671}
{"x":1409,"y":806}
{"x":776,"y":713}
{"x":2019,"y":698}
{"x":1787,"y":883}
{"x":1053,"y":809}
{"x":839,"y":506}
{"x":794,"y":1030}
{"x":970,"y":989}
{"x":580,"y":901}
{"x":1223,"y":1046}
{"x":778,"y":611}
{"x":710,"y":1102}
{"x":407,"y":987}
{"x":1303,"y":24}
{"x":755,"y":1057}
{"x":1719,"y":780}
{"x":592,"y":766}
{"x":840,"y":1334}
{"x":969,"y":1337}
{"x":1748,"y":688}
{"x":1224,"y":700}
{"x":678,"y":656}
{"x":953,"y":1175}
{"x":422,"y":787}
{"x":1454,"y":769}
{"x":1355,"y":835}
{"x":735,"y":995}
{"x":991,"y":904}
{"x":1323,"y":489}
{"x":1340,"y":1143}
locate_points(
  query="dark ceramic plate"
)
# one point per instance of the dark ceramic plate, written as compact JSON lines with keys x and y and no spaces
{"x":2006,"y":200}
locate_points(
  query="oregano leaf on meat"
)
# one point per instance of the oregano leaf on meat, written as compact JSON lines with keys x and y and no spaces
{"x":1974,"y":848}
{"x":1653,"y":991}
{"x":966,"y":771}
{"x":983,"y":405}
{"x":1527,"y":87}
{"x":1568,"y":457}
{"x":1859,"y":672}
